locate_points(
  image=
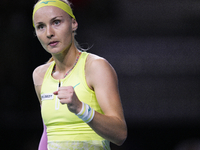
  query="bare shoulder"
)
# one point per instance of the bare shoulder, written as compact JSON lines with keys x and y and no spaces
{"x":98,"y":69}
{"x":39,"y":72}
{"x":95,"y":62}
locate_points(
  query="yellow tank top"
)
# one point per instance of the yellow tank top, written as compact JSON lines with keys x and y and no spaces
{"x":62,"y":125}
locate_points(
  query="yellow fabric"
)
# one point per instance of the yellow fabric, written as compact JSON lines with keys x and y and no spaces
{"x":62,"y":125}
{"x":56,"y":3}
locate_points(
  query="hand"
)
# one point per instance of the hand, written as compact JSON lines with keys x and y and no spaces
{"x":67,"y":95}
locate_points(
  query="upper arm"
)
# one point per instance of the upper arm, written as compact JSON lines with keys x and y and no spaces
{"x":102,"y":78}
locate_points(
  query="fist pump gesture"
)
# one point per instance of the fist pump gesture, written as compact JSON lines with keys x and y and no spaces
{"x":67,"y":95}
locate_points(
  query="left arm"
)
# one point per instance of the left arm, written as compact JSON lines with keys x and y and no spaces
{"x":102,"y":78}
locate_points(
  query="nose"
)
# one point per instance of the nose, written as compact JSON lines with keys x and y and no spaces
{"x":50,"y":32}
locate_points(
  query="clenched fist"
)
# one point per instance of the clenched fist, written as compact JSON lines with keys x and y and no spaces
{"x":67,"y":95}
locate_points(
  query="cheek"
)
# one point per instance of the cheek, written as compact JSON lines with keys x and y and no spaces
{"x":66,"y":37}
{"x":67,"y":31}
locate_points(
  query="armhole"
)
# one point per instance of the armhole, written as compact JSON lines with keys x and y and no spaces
{"x":84,"y":74}
{"x":43,"y":76}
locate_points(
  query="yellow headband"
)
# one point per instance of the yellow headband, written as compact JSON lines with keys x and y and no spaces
{"x":56,"y":3}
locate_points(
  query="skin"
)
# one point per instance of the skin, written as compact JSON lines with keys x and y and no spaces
{"x":54,"y":29}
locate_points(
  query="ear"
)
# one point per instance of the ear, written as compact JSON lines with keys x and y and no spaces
{"x":74,"y":25}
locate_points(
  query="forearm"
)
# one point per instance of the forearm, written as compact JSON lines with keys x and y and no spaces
{"x":109,"y":127}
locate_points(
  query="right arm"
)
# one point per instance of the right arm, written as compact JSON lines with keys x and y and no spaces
{"x":38,"y":75}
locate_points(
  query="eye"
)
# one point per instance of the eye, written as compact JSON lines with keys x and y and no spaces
{"x":56,"y":22}
{"x":40,"y":27}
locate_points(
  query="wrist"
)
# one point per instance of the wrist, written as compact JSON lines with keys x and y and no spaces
{"x":86,"y":113}
{"x":80,"y":107}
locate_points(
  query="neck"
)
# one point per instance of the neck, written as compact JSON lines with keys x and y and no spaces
{"x":64,"y":63}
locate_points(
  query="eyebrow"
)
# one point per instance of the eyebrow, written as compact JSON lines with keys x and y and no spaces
{"x":56,"y":17}
{"x":39,"y":23}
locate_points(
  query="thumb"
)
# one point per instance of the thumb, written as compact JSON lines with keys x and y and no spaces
{"x":55,"y":93}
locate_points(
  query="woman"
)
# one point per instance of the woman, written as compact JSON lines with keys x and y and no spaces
{"x":78,"y":91}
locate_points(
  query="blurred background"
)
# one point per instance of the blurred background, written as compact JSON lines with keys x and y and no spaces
{"x":154,"y":48}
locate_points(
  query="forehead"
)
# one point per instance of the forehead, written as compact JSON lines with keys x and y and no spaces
{"x":48,"y":12}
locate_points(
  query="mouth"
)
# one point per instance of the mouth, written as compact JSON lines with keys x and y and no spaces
{"x":53,"y":43}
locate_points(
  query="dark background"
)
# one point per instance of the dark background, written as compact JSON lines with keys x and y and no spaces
{"x":154,"y":47}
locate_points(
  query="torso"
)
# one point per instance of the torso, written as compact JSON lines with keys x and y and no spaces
{"x":41,"y":70}
{"x":62,"y":125}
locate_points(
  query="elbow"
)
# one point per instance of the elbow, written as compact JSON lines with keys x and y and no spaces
{"x":122,"y":138}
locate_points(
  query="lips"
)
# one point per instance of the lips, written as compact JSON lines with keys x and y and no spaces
{"x":53,"y":43}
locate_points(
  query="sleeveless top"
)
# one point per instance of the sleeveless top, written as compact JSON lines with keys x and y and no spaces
{"x":64,"y":129}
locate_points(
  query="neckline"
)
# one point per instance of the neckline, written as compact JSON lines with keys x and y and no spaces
{"x":77,"y":58}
